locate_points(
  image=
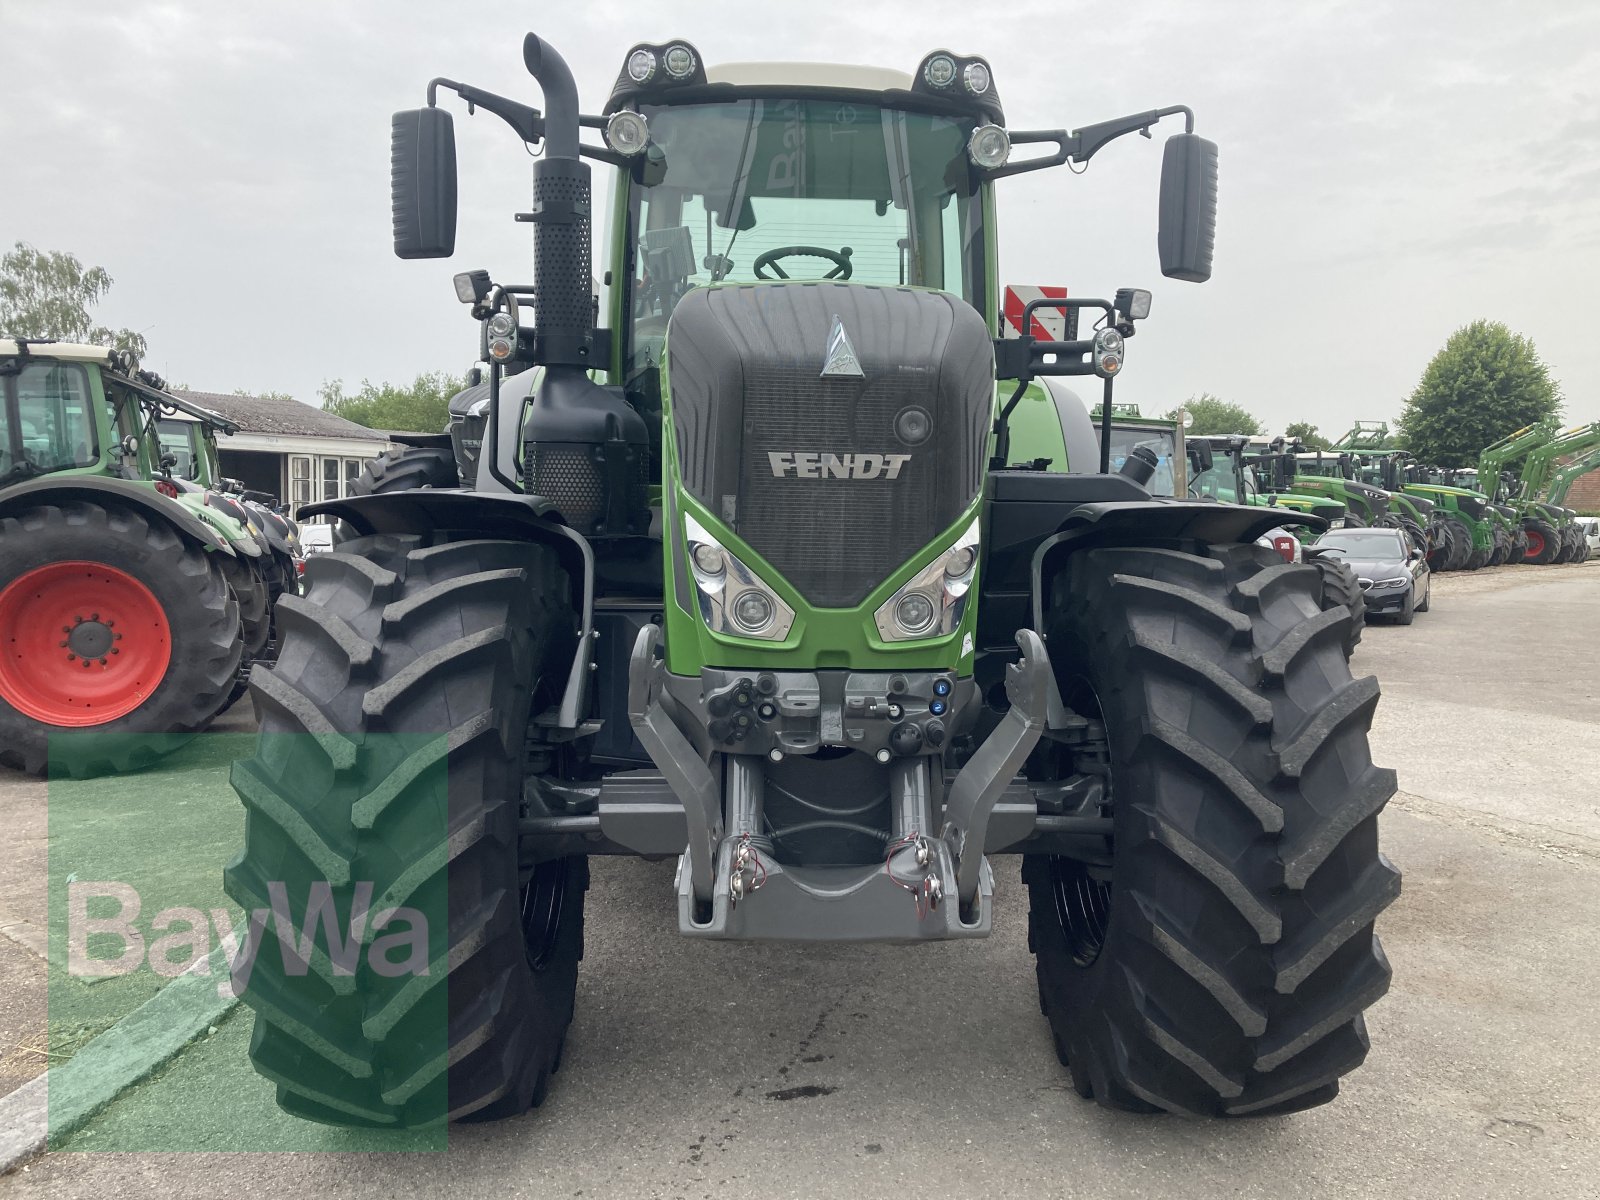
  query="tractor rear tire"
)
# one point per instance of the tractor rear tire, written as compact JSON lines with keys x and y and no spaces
{"x":1351,"y":521}
{"x":1224,"y":967}
{"x":1566,"y":549}
{"x":1543,"y":541}
{"x":102,"y":589}
{"x":1462,"y":552}
{"x":406,"y":467}
{"x":1502,"y":547}
{"x":1341,"y":588}
{"x":407,"y":660}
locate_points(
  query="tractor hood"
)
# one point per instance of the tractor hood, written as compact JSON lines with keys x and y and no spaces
{"x":836,"y":428}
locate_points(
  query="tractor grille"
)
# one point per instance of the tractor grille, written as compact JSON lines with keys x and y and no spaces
{"x":796,"y":462}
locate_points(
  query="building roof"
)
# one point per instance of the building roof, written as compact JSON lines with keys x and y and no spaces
{"x":282,"y":415}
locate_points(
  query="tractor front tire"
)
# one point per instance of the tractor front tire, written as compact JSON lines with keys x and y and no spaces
{"x":393,"y":731}
{"x":1543,"y":542}
{"x":406,"y":467}
{"x":113,"y":628}
{"x":1341,"y":588}
{"x":1224,"y":966}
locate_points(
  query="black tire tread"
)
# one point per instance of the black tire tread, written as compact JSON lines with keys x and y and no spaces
{"x":440,"y":642}
{"x":1241,"y":956}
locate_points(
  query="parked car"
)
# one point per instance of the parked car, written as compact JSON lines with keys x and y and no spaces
{"x":1591,"y":532}
{"x":1392,"y":571}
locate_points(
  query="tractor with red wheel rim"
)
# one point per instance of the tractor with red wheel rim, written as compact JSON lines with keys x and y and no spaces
{"x":119,"y":625}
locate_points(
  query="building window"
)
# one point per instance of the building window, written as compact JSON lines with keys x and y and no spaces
{"x":330,"y":479}
{"x":352,"y":472}
{"x":300,"y":480}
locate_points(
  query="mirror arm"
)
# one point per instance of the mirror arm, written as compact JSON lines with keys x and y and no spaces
{"x":1080,"y":145}
{"x":527,"y":121}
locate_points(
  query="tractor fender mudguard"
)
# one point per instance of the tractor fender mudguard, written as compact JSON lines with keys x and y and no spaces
{"x":244,"y":543}
{"x":133,"y":493}
{"x":489,"y":515}
{"x":1138,"y":522}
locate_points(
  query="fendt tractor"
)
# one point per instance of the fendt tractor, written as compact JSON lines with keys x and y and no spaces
{"x":119,"y":604}
{"x":753,"y":579}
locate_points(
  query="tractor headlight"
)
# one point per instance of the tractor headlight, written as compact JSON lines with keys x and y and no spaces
{"x":940,"y":71}
{"x":989,"y":147}
{"x":679,"y":61}
{"x":627,"y":132}
{"x":976,"y":78}
{"x":733,"y":598}
{"x":641,"y":65}
{"x":931,"y":603}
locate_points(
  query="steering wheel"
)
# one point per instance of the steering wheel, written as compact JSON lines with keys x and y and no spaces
{"x":839,"y":258}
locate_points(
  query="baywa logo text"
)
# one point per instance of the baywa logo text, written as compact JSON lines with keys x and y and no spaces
{"x":804,"y":464}
{"x":393,"y":942}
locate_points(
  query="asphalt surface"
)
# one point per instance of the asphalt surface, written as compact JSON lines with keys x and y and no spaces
{"x":696,"y":1069}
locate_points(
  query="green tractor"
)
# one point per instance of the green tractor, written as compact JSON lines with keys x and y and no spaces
{"x":762,"y":576}
{"x":1561,"y":480}
{"x":1492,"y":477}
{"x":119,"y":620}
{"x":1554,"y":535}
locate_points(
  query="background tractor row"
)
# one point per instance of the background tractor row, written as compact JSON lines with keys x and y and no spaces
{"x":133,"y":594}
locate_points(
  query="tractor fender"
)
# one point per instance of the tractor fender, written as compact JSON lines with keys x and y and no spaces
{"x":133,"y":493}
{"x":1139,"y":522}
{"x":489,"y":515}
{"x":240,"y":538}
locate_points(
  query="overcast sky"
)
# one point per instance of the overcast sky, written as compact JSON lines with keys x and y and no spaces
{"x":1390,"y":171}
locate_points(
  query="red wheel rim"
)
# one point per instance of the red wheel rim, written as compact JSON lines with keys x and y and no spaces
{"x":82,"y":644}
{"x":1535,"y":543}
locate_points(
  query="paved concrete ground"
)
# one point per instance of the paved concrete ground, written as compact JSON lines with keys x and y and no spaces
{"x":696,"y":1069}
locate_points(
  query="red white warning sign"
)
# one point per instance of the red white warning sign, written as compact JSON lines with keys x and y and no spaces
{"x":1048,"y":324}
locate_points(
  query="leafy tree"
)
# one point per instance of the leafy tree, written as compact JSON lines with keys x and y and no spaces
{"x":1214,"y":415}
{"x":1308,"y":435}
{"x":49,"y":294}
{"x":421,"y":407}
{"x":1485,"y":383}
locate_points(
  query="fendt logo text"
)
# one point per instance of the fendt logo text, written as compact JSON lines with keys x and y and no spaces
{"x":811,"y":465}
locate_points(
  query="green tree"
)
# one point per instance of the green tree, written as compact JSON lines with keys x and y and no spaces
{"x":421,"y":407}
{"x":1308,"y":435}
{"x":49,"y":294}
{"x":1485,"y":383}
{"x":1213,"y":415}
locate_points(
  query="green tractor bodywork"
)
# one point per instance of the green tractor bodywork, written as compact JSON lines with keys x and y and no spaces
{"x":119,"y":595}
{"x":761,"y":577}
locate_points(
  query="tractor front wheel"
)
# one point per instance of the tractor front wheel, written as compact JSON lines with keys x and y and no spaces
{"x":388,"y":778}
{"x":1221,"y":964}
{"x":113,"y":628}
{"x":1543,"y":541}
{"x":1341,"y":589}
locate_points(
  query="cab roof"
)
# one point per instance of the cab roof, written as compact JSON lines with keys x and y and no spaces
{"x":70,"y":351}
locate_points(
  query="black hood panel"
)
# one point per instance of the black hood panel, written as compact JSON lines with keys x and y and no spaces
{"x":838,"y":478}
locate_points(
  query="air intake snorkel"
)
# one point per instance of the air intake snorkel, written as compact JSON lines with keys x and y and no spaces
{"x":584,"y":447}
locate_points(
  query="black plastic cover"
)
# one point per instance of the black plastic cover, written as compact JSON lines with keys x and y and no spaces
{"x":836,"y":478}
{"x":422,"y":183}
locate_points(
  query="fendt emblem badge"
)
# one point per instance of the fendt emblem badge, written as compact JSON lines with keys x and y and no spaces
{"x":804,"y":464}
{"x":841,"y":357}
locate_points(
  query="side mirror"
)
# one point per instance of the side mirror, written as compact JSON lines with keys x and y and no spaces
{"x":1291,"y":464}
{"x":422,"y":183}
{"x":1188,"y":219}
{"x":1201,"y":459}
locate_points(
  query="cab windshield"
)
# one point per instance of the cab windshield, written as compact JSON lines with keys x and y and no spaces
{"x":797,"y":189}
